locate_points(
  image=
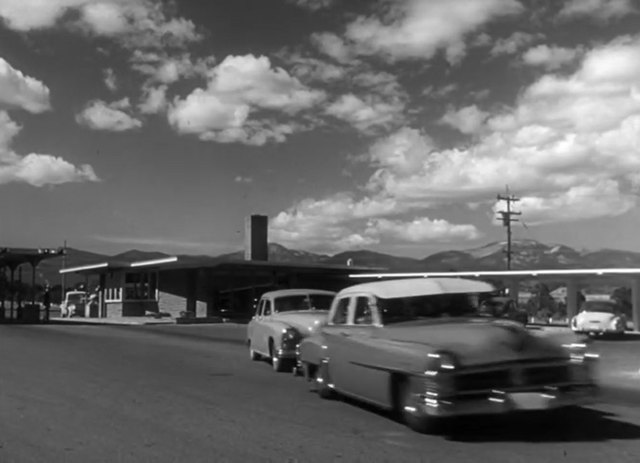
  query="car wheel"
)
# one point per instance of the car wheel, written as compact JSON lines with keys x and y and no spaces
{"x":412,"y":414}
{"x":322,"y":381}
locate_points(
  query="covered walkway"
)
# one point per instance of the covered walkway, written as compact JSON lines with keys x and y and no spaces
{"x":573,"y":278}
{"x":13,"y":307}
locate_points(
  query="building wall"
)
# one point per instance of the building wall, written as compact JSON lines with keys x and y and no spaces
{"x":173,"y":305}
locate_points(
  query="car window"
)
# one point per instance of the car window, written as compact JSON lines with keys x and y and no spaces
{"x":363,"y":313}
{"x":398,"y":310}
{"x":600,"y":306}
{"x":266,"y":309}
{"x":340,"y":316}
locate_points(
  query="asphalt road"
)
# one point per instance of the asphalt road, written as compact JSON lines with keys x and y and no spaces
{"x":190,"y":394}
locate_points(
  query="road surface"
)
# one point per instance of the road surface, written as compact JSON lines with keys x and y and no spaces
{"x":191,"y":394}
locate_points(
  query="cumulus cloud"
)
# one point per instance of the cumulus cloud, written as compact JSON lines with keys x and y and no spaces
{"x":154,"y":100}
{"x":569,"y":145}
{"x":238,"y":87}
{"x":550,"y":57}
{"x":564,"y":134}
{"x":341,"y":221}
{"x":467,"y":120}
{"x":35,"y":169}
{"x":312,"y":5}
{"x":110,"y":79}
{"x":162,"y":68}
{"x":332,"y":45}
{"x":19,"y":91}
{"x":313,"y":70}
{"x":99,"y":115}
{"x":512,"y":44}
{"x":598,"y":9}
{"x":368,"y":113}
{"x":415,"y":29}
{"x":134,"y":23}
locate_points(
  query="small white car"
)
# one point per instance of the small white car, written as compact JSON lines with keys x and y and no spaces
{"x":598,"y":318}
{"x":74,"y":304}
{"x":282,"y":319}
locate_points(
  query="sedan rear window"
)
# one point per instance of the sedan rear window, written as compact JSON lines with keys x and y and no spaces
{"x":406,"y":309}
{"x":303,"y":302}
{"x":600,"y":306}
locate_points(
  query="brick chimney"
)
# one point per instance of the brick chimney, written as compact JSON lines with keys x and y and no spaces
{"x":256,"y":238}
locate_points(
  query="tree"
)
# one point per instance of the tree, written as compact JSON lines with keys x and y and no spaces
{"x":622,"y":296}
{"x":541,"y":300}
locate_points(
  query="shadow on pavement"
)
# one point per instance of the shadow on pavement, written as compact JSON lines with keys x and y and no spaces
{"x":580,"y":425}
{"x":569,"y":425}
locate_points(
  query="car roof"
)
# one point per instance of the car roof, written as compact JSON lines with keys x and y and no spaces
{"x":298,"y":292}
{"x":410,"y":287}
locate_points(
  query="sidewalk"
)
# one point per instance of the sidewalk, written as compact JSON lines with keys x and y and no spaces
{"x":133,"y":321}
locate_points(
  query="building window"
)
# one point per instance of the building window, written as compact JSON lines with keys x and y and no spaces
{"x":140,"y":286}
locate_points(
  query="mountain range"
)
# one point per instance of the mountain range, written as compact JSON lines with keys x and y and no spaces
{"x":526,"y":254}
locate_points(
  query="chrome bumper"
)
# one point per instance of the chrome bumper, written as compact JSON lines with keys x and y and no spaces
{"x":287,"y":354}
{"x":503,"y":402}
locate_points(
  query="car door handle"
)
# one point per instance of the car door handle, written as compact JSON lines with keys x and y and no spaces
{"x":345,"y":334}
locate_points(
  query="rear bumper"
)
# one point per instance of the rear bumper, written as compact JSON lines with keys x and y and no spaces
{"x":502,"y":402}
{"x":597,"y":330}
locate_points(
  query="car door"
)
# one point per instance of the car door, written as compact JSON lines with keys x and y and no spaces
{"x":263,"y":327}
{"x":252,"y":327}
{"x":364,"y":374}
{"x":336,"y":334}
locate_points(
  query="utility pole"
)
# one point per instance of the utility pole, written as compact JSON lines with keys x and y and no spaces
{"x":507,"y":220}
{"x":62,"y":276}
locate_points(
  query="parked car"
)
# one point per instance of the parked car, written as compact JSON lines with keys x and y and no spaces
{"x":599,"y":317}
{"x":421,"y":347}
{"x":282,"y":319}
{"x":74,"y":304}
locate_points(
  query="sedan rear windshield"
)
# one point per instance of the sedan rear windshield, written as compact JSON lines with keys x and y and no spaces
{"x":397,"y":310}
{"x":600,"y":306}
{"x":303,"y":302}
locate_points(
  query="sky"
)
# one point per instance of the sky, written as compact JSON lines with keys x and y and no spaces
{"x":388,"y":125}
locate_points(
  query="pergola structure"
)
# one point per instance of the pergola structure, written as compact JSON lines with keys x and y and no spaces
{"x":512,"y":278}
{"x":11,"y":262}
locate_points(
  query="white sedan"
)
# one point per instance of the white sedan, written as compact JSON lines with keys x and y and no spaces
{"x":599,"y":317}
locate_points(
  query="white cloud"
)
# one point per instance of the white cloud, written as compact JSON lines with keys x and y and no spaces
{"x":98,"y":115}
{"x":568,"y":147}
{"x":599,"y":9}
{"x":468,"y":120}
{"x":602,"y":199}
{"x":20,"y":91}
{"x":416,"y":29}
{"x":134,"y":23}
{"x":238,"y":87}
{"x":341,"y":222}
{"x":512,"y":44}
{"x":154,"y":100}
{"x":242,"y":179}
{"x":35,"y":169}
{"x":421,"y":230}
{"x":312,"y":5}
{"x":333,"y":46}
{"x":168,"y":69}
{"x":550,"y":58}
{"x":368,"y":113}
{"x":316,"y":70}
{"x":110,"y":79}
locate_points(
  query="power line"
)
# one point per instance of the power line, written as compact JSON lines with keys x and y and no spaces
{"x":507,"y":219}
